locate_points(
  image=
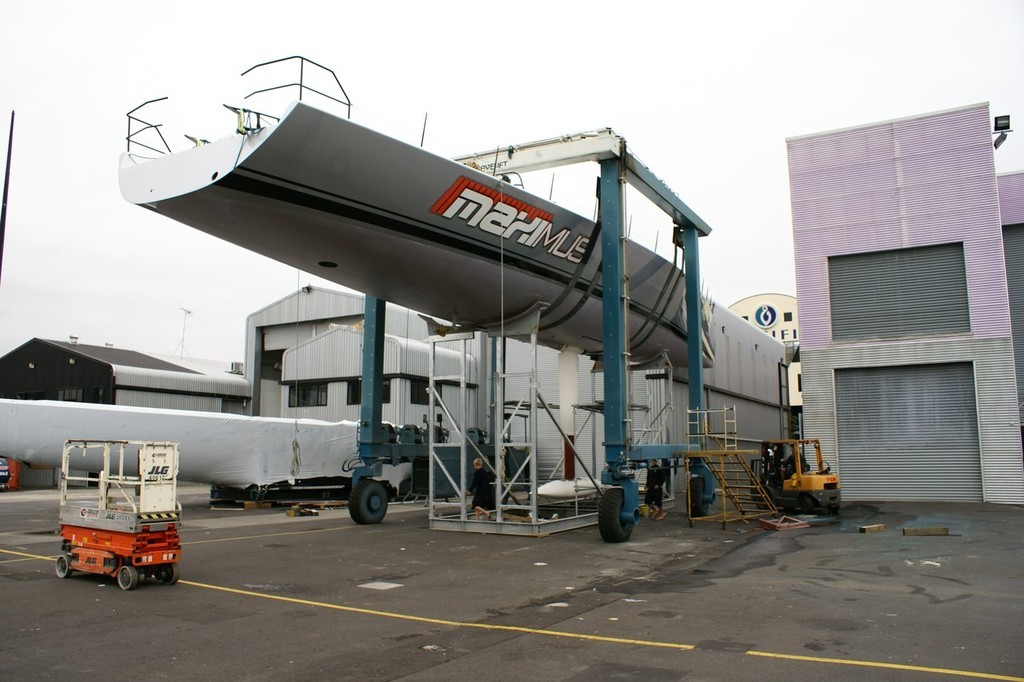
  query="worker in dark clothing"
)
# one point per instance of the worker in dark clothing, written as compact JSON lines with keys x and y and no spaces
{"x":655,"y":494}
{"x":483,"y":492}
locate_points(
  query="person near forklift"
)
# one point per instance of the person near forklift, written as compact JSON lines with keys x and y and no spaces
{"x":655,"y":493}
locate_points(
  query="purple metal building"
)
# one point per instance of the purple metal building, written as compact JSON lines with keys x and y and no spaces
{"x":905,"y":312}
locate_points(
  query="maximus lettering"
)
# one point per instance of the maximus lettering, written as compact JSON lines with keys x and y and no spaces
{"x":510,"y":218}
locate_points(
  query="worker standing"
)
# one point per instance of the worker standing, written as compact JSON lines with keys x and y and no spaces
{"x":655,"y":493}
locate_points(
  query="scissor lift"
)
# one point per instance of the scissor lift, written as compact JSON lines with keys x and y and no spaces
{"x":131,"y":532}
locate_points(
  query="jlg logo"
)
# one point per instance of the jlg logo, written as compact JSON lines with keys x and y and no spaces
{"x":158,"y":471}
{"x":494,"y":212}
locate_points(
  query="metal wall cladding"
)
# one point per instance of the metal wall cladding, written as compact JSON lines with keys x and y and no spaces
{"x":998,"y":421}
{"x":746,"y":359}
{"x":167,"y":401}
{"x":1011,"y":197}
{"x":914,"y":182}
{"x":338,"y":353}
{"x":163,"y":380}
{"x":301,"y":316}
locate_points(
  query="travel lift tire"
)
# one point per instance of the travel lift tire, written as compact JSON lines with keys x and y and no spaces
{"x":609,"y":521}
{"x":368,"y":502}
{"x":698,"y":507}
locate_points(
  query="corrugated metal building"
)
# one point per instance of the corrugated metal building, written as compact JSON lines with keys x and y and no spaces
{"x":905,"y":314}
{"x":305,"y":353}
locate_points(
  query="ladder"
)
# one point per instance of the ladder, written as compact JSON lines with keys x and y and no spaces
{"x":741,"y":496}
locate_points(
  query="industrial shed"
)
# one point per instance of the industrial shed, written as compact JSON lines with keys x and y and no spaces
{"x":304,"y":354}
{"x":908,"y":267}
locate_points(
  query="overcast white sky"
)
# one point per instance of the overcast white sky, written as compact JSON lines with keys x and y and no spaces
{"x":705,"y":93}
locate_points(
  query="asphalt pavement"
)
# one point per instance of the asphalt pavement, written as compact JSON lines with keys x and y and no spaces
{"x":267,"y":596}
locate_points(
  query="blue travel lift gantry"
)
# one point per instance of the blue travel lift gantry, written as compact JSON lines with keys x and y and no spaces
{"x":619,"y":508}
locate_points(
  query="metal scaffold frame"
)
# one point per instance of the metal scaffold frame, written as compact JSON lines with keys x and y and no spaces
{"x":511,"y":460}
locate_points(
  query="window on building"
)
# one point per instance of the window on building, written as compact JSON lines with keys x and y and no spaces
{"x":899,"y":294}
{"x":800,"y":383}
{"x":787,"y":317}
{"x":419,"y":391}
{"x":73,"y":395}
{"x":30,"y":395}
{"x":355,"y":392}
{"x":307,"y":395}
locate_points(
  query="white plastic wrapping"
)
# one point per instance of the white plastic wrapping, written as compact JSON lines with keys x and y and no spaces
{"x":229,"y":450}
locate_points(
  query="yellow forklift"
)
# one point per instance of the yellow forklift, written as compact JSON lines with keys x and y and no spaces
{"x":797,"y":476}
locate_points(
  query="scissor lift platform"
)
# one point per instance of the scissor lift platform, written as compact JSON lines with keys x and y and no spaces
{"x":131,"y":532}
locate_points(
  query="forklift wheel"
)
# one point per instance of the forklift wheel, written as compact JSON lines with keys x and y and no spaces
{"x":63,"y":566}
{"x":127,"y":577}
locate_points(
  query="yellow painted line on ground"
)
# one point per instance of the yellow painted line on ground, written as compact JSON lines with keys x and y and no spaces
{"x":887,"y":666}
{"x":440,"y":621}
{"x":25,"y":556}
{"x":265,"y":535}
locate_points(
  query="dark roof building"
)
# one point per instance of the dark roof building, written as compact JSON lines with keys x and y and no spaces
{"x":61,"y":370}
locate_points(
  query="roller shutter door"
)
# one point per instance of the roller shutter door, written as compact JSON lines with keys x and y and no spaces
{"x":899,"y":294}
{"x":908,"y":433}
{"x":1013,"y":250}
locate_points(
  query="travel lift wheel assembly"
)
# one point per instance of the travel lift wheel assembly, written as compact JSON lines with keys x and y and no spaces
{"x":132,"y":532}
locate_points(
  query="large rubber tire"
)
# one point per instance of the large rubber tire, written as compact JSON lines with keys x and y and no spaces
{"x":63,"y":566}
{"x":368,"y":502}
{"x":609,"y":521}
{"x":698,"y":507}
{"x":127,"y":577}
{"x":805,"y":503}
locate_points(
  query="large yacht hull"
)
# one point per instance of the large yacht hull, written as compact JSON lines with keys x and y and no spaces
{"x":366,"y":211}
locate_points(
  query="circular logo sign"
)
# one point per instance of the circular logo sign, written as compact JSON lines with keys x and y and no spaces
{"x":765,"y":316}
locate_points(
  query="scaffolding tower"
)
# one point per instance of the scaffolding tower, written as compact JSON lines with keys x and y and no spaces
{"x":739,"y":495}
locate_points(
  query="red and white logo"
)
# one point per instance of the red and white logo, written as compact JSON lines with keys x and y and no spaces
{"x":492,"y":211}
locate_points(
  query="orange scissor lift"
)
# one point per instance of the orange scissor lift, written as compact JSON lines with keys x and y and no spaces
{"x":131,"y":533}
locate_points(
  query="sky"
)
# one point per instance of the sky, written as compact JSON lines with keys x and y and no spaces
{"x":705,"y":94}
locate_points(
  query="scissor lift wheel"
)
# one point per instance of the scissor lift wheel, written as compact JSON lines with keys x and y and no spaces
{"x":127,"y":577}
{"x":63,"y":566}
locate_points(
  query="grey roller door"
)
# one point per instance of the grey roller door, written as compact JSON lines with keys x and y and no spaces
{"x":1013,"y":251}
{"x":899,"y":294}
{"x":908,"y":433}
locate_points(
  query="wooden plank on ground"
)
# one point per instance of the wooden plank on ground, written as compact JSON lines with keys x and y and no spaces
{"x":934,"y":530}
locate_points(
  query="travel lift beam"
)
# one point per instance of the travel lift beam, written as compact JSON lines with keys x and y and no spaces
{"x":619,"y":510}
